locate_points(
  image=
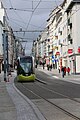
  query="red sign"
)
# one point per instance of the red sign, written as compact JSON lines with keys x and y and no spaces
{"x":79,"y":50}
{"x":70,"y":51}
{"x":57,"y":53}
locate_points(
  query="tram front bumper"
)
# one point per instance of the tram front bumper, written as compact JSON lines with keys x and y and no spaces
{"x":32,"y":77}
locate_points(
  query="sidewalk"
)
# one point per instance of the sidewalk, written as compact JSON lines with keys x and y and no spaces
{"x":14,"y":105}
{"x":55,"y":74}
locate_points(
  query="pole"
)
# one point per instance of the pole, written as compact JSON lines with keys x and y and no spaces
{"x":7,"y":54}
{"x":4,"y":49}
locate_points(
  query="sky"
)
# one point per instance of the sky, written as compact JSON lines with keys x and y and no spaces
{"x":28,"y":16}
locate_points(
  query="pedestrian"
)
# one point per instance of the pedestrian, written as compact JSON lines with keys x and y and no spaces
{"x":9,"y":70}
{"x":50,"y":67}
{"x":63,"y":72}
{"x":59,"y":69}
{"x":43,"y":64}
{"x":47,"y":66}
{"x":53,"y":66}
{"x":68,"y":70}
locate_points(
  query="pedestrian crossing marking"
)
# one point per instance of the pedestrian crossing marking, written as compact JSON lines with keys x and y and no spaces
{"x":55,"y":77}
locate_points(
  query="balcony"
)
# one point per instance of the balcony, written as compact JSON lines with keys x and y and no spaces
{"x":70,"y":23}
{"x":60,"y":32}
{"x":70,"y":39}
{"x":1,"y":58}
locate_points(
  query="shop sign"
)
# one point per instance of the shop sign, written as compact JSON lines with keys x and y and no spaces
{"x":53,"y":56}
{"x":78,"y":49}
{"x":57,"y":53}
{"x":70,"y":51}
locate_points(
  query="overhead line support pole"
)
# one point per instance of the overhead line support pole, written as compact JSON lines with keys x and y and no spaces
{"x":7,"y":54}
{"x":4,"y":49}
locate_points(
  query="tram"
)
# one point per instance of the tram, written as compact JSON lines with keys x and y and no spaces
{"x":25,"y":68}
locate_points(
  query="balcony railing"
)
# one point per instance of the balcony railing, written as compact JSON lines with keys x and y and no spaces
{"x":70,"y":39}
{"x":70,"y":22}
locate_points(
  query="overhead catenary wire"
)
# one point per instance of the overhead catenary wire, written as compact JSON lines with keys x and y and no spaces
{"x":66,"y":19}
{"x":32,"y":14}
{"x":53,"y":26}
{"x":30,"y":9}
{"x":20,"y":16}
{"x":14,"y":21}
{"x":15,"y":11}
{"x":25,"y":9}
{"x":60,"y":24}
{"x":43,"y":0}
{"x":17,"y":14}
{"x":63,"y":21}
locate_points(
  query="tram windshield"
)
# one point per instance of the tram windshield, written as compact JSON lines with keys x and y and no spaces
{"x":26,"y":64}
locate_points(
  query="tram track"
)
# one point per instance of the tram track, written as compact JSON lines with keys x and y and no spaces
{"x":49,"y":102}
{"x":53,"y":91}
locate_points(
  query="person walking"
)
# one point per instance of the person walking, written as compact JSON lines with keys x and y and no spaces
{"x":50,"y":67}
{"x":59,"y":69}
{"x":43,"y":64}
{"x":47,"y":66}
{"x":68,"y":70}
{"x":63,"y":71}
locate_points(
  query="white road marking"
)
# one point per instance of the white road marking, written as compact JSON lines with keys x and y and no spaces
{"x":55,"y":77}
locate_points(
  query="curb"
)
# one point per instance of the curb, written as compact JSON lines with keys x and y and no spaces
{"x":32,"y":105}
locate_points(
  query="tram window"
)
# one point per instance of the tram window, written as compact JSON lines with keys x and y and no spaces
{"x":26,"y":64}
{"x":25,"y":60}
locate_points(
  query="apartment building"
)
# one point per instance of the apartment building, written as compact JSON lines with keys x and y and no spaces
{"x":9,"y":41}
{"x":1,"y":45}
{"x":73,"y":28}
{"x":1,"y":34}
{"x":54,"y":34}
{"x":63,"y":36}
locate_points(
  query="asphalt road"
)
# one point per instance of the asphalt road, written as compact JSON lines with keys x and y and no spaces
{"x":63,"y":87}
{"x":59,"y":92}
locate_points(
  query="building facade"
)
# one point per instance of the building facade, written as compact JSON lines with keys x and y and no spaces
{"x":63,"y":38}
{"x":10,"y":40}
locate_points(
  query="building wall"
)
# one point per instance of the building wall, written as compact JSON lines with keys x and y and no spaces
{"x":77,"y":64}
{"x":1,"y":39}
{"x":69,"y":11}
{"x":77,"y":26}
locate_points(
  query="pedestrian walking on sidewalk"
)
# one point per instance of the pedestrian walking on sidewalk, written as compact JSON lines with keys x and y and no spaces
{"x":43,"y":64}
{"x":47,"y":66}
{"x":63,"y":71}
{"x":50,"y":67}
{"x":68,"y":70}
{"x":59,"y":69}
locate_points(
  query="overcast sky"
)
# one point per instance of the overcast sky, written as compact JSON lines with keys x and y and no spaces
{"x":29,"y":15}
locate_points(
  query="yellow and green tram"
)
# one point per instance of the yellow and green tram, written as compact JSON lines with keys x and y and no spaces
{"x":25,"y":68}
